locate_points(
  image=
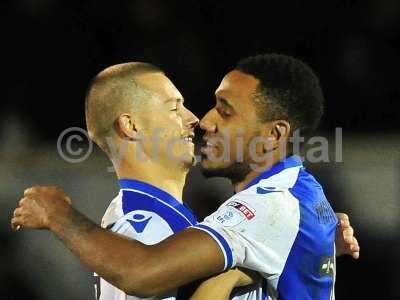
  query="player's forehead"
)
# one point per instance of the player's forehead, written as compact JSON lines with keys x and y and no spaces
{"x":236,"y":84}
{"x":160,"y":84}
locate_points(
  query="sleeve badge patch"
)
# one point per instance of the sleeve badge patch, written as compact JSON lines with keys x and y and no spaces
{"x":234,"y":213}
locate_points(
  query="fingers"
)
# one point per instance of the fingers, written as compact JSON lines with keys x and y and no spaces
{"x":17,"y":223}
{"x":343,"y":220}
{"x":355,"y":248}
{"x":35,"y":205}
{"x":47,"y":190}
{"x":22,"y":201}
{"x":347,"y":243}
{"x":32,"y":190}
{"x":18,"y":212}
{"x":342,"y":216}
{"x":348,"y":235}
{"x":38,"y":189}
{"x":344,"y":223}
{"x":68,"y":200}
{"x":17,"y":220}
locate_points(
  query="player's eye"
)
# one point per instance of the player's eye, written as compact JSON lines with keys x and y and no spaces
{"x":174,"y":109}
{"x":224,"y":113}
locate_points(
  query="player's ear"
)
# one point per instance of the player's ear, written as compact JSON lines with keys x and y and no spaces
{"x":277,"y":134}
{"x":126,"y":128}
{"x":280,"y":131}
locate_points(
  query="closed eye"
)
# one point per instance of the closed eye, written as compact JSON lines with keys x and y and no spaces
{"x":224,"y":113}
{"x":224,"y":108}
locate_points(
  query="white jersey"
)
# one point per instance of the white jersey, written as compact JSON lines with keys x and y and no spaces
{"x":147,"y":214}
{"x":281,"y":226}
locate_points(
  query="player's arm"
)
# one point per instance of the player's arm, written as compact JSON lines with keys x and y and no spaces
{"x":127,"y":264}
{"x":221,"y":286}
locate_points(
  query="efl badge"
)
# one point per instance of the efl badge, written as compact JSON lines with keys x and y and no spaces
{"x":248,"y":213}
{"x":233,"y":214}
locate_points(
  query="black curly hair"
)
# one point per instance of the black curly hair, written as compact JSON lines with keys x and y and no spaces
{"x":288,"y":90}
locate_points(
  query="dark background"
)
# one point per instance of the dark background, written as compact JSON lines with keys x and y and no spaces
{"x":51,"y":49}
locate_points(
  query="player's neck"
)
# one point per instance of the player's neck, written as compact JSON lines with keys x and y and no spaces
{"x":170,"y":180}
{"x":256,"y":171}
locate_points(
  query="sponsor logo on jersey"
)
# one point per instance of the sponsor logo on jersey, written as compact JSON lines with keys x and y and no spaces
{"x":266,"y":190}
{"x":139,"y":222}
{"x":324,"y":212}
{"x":245,"y":210}
{"x":327,"y":266}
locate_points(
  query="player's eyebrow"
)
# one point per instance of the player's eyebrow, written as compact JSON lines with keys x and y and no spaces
{"x":224,"y":102}
{"x":175,"y":100}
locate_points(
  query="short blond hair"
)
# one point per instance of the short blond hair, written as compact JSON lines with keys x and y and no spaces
{"x":110,"y":93}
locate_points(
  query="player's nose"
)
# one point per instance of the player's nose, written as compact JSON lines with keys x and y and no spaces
{"x":191,"y":121}
{"x":207,"y":124}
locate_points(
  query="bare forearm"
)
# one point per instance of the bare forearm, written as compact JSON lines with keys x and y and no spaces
{"x":221,"y":286}
{"x":128,"y":264}
{"x":133,"y":267}
{"x":109,"y":255}
{"x":214,"y":288}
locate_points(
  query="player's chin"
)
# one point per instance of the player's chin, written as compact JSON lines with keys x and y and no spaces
{"x":188,"y":159}
{"x":210,"y":166}
{"x":212,"y":162}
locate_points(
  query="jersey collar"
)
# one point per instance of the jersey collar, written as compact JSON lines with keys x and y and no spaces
{"x":132,"y":184}
{"x":288,"y":162}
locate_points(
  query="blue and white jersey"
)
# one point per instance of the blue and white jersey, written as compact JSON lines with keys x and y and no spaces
{"x":145,"y":213}
{"x":282,"y":226}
